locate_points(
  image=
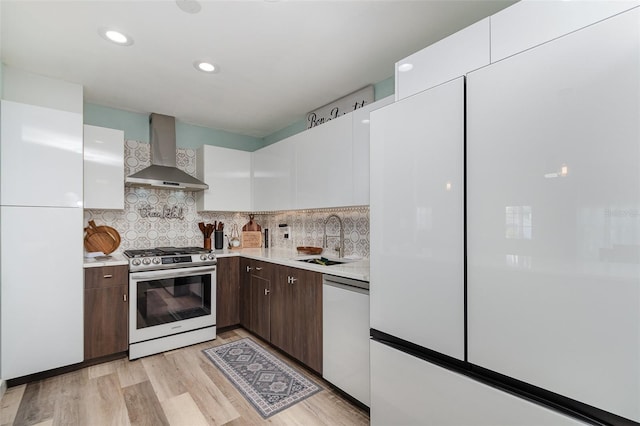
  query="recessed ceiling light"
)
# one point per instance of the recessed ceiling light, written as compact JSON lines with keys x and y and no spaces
{"x":205,"y":66}
{"x":115,"y":36}
{"x":405,"y":67}
{"x":189,"y":6}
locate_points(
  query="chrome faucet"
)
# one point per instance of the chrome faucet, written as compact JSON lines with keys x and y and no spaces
{"x":324,"y":238}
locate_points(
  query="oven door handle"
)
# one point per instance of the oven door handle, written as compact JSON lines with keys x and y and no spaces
{"x":172,"y":273}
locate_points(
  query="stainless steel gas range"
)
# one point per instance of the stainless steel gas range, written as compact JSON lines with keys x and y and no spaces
{"x":172,"y":293}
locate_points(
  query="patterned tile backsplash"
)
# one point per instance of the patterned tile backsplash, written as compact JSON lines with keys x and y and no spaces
{"x":139,"y":228}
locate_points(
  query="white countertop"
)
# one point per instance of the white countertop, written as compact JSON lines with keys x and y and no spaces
{"x":357,"y":270}
{"x":115,"y":259}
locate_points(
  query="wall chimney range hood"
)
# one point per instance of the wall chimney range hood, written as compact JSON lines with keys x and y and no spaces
{"x":163,"y":172}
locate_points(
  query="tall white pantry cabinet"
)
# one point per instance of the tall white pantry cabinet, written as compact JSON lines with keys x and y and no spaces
{"x":41,"y":218}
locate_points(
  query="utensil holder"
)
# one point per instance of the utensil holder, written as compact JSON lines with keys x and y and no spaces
{"x":207,"y":243}
{"x":218,"y":239}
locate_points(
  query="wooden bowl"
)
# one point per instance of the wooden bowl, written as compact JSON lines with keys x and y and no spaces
{"x":309,"y":250}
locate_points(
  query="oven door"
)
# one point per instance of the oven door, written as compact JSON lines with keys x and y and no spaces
{"x":171,"y":301}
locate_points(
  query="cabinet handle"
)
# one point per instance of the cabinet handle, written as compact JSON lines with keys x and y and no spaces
{"x":258,"y":268}
{"x":124,"y":297}
{"x":266,"y":292}
{"x":108,"y":276}
{"x":249,"y":268}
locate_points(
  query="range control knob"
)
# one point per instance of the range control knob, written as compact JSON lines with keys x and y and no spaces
{"x":203,"y":257}
{"x":135,"y":262}
{"x":146,"y":261}
{"x":156,"y":260}
{"x":211,"y":256}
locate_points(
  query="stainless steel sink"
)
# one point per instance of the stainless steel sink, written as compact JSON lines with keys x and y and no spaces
{"x":322,"y":261}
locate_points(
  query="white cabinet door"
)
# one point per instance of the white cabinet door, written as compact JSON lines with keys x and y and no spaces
{"x":409,"y":391}
{"x":452,"y":57}
{"x":42,"y":302}
{"x":361,"y":133}
{"x":40,"y":156}
{"x":228,"y":174}
{"x":553,"y":227}
{"x":530,"y":23}
{"x":323,"y":165}
{"x":417,"y":253}
{"x":103,"y":168}
{"x":273,"y":176}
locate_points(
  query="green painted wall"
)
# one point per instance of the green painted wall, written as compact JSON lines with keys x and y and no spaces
{"x":295,"y":128}
{"x":381,"y":90}
{"x":384,"y":88}
{"x":136,"y":127}
{"x":190,"y":136}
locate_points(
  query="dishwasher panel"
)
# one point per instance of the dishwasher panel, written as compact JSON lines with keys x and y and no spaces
{"x":346,"y":335}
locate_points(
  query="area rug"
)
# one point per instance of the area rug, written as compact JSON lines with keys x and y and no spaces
{"x":266,"y":382}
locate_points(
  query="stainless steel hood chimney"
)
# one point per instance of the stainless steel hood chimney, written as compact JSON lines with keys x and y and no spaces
{"x":163,"y":172}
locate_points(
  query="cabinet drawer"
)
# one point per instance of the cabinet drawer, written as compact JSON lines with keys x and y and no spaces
{"x":257,"y":268}
{"x":106,"y":276}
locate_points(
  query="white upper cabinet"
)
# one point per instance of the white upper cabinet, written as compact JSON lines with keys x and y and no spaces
{"x":228,"y":174}
{"x":273,"y":176}
{"x":530,"y":23}
{"x":361,"y":133}
{"x":452,"y":57}
{"x":34,"y":89}
{"x":324,"y":165}
{"x":40,"y":156}
{"x":103,"y":168}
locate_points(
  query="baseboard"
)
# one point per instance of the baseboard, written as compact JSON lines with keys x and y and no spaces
{"x":3,"y":388}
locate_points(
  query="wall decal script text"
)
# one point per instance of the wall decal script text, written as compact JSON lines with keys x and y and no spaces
{"x":167,"y":212}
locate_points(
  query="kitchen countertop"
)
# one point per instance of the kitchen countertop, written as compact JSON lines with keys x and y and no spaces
{"x":357,"y":270}
{"x":115,"y":259}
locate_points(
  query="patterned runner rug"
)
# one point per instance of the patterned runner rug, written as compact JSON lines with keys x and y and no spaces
{"x":266,"y":382}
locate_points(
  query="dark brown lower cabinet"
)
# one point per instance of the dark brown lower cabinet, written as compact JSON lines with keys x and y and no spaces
{"x":283,"y":305}
{"x":228,"y":292}
{"x":106,"y":311}
{"x":296,"y":314}
{"x":255,"y":292}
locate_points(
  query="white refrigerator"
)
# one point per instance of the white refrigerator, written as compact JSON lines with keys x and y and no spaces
{"x":41,"y":249}
{"x":505,"y":240}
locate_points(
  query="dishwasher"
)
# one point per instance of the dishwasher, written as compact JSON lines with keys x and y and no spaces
{"x":345,"y":341}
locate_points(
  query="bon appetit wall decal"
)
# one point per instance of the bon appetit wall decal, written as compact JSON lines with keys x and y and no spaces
{"x":339,"y":107}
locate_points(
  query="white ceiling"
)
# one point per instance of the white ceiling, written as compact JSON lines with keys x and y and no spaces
{"x":278,"y":59}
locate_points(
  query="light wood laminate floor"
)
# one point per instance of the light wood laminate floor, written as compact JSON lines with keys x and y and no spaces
{"x":180,"y":387}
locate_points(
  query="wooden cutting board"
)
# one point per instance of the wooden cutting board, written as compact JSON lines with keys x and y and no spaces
{"x":251,"y":226}
{"x":251,"y":239}
{"x":103,"y":239}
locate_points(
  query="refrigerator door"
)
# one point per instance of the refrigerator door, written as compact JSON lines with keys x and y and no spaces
{"x":42,"y":289}
{"x":406,"y":390}
{"x":553,"y":180}
{"x":417,"y":270}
